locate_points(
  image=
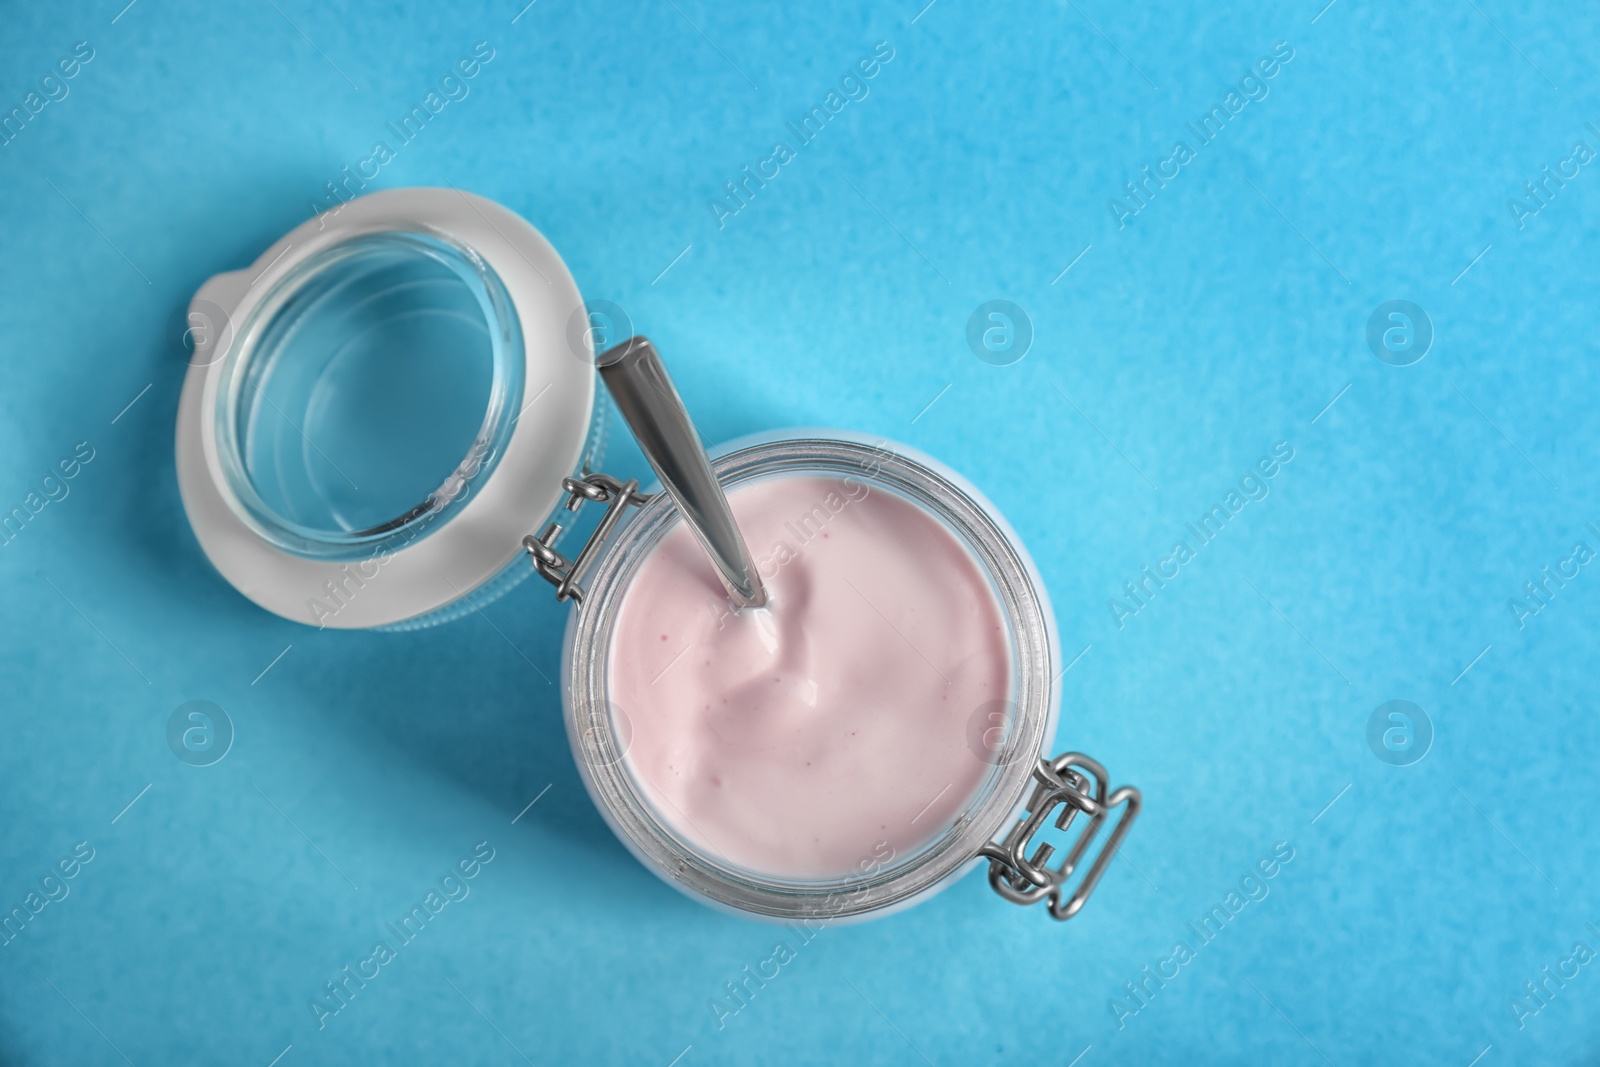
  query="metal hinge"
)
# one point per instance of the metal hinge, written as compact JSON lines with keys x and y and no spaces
{"x":1080,"y":786}
{"x":555,"y":568}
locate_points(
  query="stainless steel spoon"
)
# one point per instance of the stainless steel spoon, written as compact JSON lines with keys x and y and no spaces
{"x":650,"y":405}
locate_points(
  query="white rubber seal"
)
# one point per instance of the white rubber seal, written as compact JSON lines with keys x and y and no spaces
{"x":475,"y":544}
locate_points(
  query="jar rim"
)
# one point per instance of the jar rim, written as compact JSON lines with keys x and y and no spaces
{"x":1023,"y":605}
{"x":253,"y":355}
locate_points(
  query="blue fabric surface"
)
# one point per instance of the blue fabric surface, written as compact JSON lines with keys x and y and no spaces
{"x":1180,"y":332}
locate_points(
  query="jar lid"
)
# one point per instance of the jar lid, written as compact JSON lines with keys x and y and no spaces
{"x":382,"y":407}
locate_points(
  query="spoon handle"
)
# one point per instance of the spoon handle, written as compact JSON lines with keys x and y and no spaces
{"x":644,"y":394}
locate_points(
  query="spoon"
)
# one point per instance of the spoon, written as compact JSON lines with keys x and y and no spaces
{"x":644,"y":394}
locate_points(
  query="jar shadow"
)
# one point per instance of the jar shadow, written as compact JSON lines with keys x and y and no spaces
{"x":478,"y":702}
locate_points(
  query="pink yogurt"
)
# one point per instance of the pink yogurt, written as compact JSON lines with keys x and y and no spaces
{"x":833,"y":731}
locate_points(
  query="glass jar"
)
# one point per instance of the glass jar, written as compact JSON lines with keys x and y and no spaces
{"x":433,"y":346}
{"x":1009,"y":735}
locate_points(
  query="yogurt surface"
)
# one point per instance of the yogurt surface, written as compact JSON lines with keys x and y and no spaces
{"x":842,"y":727}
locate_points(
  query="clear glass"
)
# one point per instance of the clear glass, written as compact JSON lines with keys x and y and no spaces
{"x":368,"y":393}
{"x":601,"y":745}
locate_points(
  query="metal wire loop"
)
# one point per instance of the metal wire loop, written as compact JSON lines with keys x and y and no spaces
{"x":1078,"y":786}
{"x":555,"y":568}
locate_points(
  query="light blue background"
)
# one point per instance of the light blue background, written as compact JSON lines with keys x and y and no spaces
{"x":1225,"y":317}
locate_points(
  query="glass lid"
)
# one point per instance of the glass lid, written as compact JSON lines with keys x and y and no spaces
{"x":382,"y":407}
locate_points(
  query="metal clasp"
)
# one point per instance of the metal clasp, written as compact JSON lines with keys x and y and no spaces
{"x":556,"y":568}
{"x":1078,"y":785}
